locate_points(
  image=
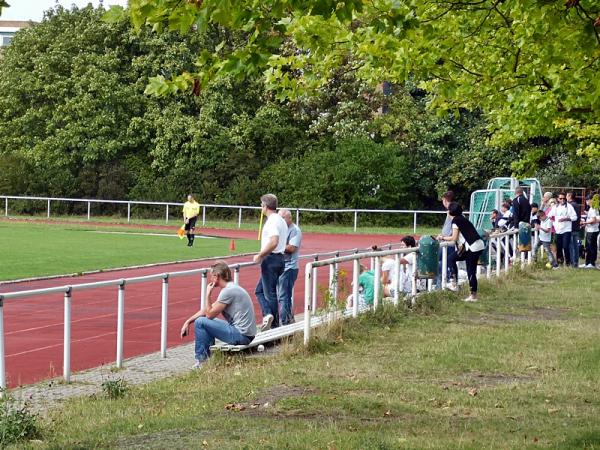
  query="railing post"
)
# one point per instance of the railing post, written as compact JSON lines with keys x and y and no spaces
{"x":167,"y":213}
{"x":489,"y":266}
{"x":203,"y":215}
{"x":498,"y":255}
{"x":337,"y":278}
{"x":203,"y":285}
{"x":377,"y":287}
{"x":355,"y":220}
{"x":2,"y":354}
{"x":314,"y":286}
{"x":240,"y":218}
{"x":236,"y":274}
{"x":67,"y":337}
{"x":444,"y":274}
{"x":415,"y":223}
{"x":307,"y":302}
{"x":506,"y":252}
{"x":298,"y":217}
{"x":355,"y":271}
{"x":163,"y":317}
{"x":397,"y":286}
{"x":6,"y":206}
{"x":413,"y":299}
{"x":48,"y":208}
{"x":128,"y":212}
{"x":89,"y":209}
{"x":332,"y":282}
{"x":120,"y":321}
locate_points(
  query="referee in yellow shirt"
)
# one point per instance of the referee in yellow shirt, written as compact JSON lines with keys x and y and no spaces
{"x":191,"y":209}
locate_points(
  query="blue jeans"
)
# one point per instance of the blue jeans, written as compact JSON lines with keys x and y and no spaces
{"x":271,"y":269}
{"x":575,"y":249}
{"x":284,"y":291}
{"x":206,"y":330}
{"x":438,"y":278}
{"x":548,"y":250}
{"x":563,"y":247}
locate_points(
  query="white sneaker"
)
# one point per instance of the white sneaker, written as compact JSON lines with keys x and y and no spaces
{"x":589,"y":266}
{"x":453,"y":286}
{"x":266,"y":323}
{"x":470,"y":298}
{"x":197,"y":365}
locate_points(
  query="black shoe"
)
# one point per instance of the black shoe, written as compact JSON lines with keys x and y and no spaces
{"x":190,"y":244}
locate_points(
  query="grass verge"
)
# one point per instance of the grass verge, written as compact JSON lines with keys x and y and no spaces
{"x":519,"y":369}
{"x":32,"y":249}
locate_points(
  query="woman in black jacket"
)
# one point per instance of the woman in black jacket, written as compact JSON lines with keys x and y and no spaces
{"x":469,"y":247}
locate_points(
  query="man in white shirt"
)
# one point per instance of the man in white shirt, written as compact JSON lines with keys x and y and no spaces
{"x":272,"y":264}
{"x":563,"y":215}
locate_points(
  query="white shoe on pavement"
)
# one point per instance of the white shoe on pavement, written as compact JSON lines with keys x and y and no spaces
{"x":266,"y":323}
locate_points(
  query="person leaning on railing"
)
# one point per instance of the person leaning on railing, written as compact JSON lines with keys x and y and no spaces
{"x":469,"y":247}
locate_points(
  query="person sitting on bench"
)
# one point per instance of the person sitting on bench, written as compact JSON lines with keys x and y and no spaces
{"x":233,"y":303}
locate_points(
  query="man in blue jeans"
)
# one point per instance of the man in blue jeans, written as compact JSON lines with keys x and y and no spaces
{"x":270,"y":257}
{"x":234,"y":303}
{"x":563,"y":216}
{"x":575,"y":229}
{"x":287,"y":279}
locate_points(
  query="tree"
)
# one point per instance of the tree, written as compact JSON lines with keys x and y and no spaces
{"x":531,"y":65}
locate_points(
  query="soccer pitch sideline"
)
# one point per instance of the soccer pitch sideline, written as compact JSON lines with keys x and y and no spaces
{"x":35,"y":250}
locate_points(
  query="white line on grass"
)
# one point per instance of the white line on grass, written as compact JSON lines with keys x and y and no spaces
{"x":198,"y":236}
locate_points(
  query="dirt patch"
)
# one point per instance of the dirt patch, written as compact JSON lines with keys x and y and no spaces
{"x":541,"y":314}
{"x":172,"y":439}
{"x":485,"y":380}
{"x":268,"y":399}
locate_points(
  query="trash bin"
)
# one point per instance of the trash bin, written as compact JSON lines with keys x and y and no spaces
{"x":485,"y":255}
{"x":427,"y":263}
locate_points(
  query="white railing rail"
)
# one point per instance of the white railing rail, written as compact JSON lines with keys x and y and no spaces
{"x":240,"y":208}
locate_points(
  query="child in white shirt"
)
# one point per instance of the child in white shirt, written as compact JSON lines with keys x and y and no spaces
{"x":545,"y":237}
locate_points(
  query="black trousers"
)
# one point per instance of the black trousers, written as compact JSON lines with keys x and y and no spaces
{"x":471,"y":259}
{"x":591,"y":248}
{"x":189,"y":227}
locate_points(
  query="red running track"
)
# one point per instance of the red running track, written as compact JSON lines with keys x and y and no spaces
{"x":34,"y":325}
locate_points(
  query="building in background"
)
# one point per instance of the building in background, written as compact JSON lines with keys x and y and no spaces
{"x":8,"y":28}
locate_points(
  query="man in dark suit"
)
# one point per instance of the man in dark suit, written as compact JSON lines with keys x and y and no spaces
{"x":521,"y":208}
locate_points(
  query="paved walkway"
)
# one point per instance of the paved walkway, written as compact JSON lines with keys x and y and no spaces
{"x":138,"y":370}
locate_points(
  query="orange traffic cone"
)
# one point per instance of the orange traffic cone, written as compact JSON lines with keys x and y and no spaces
{"x":232,"y":245}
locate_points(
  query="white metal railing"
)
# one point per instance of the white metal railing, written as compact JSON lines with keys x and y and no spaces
{"x":499,"y":244}
{"x":68,"y":292}
{"x":502,"y":248}
{"x":240,"y":208}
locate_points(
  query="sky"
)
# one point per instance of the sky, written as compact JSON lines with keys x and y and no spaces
{"x":34,"y":9}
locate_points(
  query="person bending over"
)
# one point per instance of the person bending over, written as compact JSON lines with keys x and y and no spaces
{"x":469,"y":247}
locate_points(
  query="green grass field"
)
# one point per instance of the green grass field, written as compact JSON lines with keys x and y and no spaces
{"x":35,"y":249}
{"x":247,"y":224}
{"x":517,"y":370}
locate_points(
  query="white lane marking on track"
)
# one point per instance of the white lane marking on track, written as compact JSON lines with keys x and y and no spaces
{"x":198,"y":236}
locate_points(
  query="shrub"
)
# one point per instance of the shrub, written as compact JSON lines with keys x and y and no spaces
{"x":16,"y":421}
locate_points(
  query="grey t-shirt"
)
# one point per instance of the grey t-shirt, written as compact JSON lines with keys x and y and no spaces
{"x":294,"y":238}
{"x":239,"y":311}
{"x":447,"y":228}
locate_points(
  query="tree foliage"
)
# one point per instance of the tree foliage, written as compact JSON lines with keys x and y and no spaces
{"x":531,"y":65}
